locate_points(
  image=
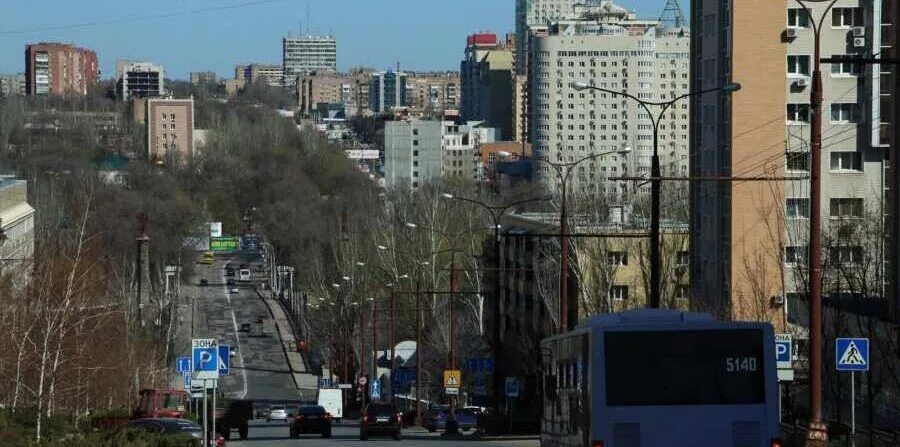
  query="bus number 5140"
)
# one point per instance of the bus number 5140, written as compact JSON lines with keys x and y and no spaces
{"x":740,"y":364}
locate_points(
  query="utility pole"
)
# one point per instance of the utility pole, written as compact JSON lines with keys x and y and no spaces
{"x":419,"y":350}
{"x":452,"y":427}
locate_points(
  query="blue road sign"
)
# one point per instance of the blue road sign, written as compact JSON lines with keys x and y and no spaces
{"x":783,"y":348}
{"x":187,"y":381}
{"x":375,"y":389}
{"x":205,"y":355}
{"x":183,"y":364}
{"x":224,"y":360}
{"x":479,"y":385}
{"x":480,"y":364}
{"x":852,"y":354}
{"x":512,"y":387}
{"x":324,"y":382}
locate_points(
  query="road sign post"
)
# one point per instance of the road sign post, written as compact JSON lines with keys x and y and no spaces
{"x":452,"y":381}
{"x":205,"y":355}
{"x":852,"y":354}
{"x":183,"y":364}
{"x":224,"y":360}
{"x":784,"y":353}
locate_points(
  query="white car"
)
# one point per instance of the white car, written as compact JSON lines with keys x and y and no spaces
{"x":277,"y":413}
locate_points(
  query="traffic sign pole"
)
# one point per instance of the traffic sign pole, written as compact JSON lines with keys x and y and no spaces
{"x":205,"y":418}
{"x":853,"y":408}
{"x":215,"y":386}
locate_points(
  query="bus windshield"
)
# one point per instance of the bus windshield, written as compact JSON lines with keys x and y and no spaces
{"x":703,"y":367}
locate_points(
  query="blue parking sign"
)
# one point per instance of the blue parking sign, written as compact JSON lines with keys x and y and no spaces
{"x":224,"y":360}
{"x":205,"y":358}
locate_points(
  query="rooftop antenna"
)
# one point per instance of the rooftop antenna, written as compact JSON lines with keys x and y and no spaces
{"x":307,"y":17}
{"x":672,"y":16}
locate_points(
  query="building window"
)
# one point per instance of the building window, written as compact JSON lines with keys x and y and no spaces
{"x":797,"y":161}
{"x":794,"y":255}
{"x":617,"y":258}
{"x":846,"y":208}
{"x":797,"y":113}
{"x":844,"y":112}
{"x":798,"y":65}
{"x":619,"y":293}
{"x":844,"y":68}
{"x":415,"y":131}
{"x":846,"y":161}
{"x":846,"y":17}
{"x":415,"y":142}
{"x":846,"y":255}
{"x":797,"y":18}
{"x":797,"y":208}
{"x":684,"y":258}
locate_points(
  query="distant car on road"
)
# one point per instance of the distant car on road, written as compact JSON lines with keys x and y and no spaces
{"x":229,"y":273}
{"x":245,"y":275}
{"x":204,"y":282}
{"x":380,"y":418}
{"x":311,"y":419}
{"x":277,"y":413}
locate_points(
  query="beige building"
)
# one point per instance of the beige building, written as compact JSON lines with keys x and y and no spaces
{"x":487,"y":82}
{"x":170,"y":130}
{"x":349,"y":89}
{"x":432,"y":93}
{"x":268,"y":73}
{"x":308,"y":54}
{"x":750,"y":238}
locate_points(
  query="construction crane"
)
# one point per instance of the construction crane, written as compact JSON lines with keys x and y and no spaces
{"x":672,"y":16}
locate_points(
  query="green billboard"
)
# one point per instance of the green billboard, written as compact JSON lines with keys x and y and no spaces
{"x":226,"y":243}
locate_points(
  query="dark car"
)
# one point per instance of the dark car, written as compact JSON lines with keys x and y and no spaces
{"x":173,"y":427}
{"x":311,"y":419}
{"x":436,"y":419}
{"x":229,"y":273}
{"x":380,"y":418}
{"x":243,"y":266}
{"x":204,"y":282}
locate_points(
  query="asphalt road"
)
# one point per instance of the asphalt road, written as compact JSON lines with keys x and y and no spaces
{"x":259,"y":369}
{"x":347,"y":434}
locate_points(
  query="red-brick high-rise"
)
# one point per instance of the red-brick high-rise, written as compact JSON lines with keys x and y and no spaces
{"x":59,"y":69}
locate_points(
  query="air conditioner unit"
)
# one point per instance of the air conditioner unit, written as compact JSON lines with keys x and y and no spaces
{"x":859,"y":42}
{"x":801,"y":82}
{"x":790,"y":33}
{"x":778,"y":300}
{"x":859,"y":31}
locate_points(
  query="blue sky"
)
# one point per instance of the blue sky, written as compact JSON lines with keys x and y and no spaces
{"x":419,"y":34}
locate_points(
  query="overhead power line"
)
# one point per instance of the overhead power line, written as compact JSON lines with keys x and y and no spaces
{"x":138,"y":18}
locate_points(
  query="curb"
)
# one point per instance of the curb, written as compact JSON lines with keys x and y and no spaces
{"x":281,"y":339}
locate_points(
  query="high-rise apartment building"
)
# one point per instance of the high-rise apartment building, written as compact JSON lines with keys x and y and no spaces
{"x":387,"y":90}
{"x":486,"y":78}
{"x":532,"y":13}
{"x":308,"y":54}
{"x":170,"y":130}
{"x":139,"y":80}
{"x":750,"y":239}
{"x":59,"y":69}
{"x":615,"y":51}
{"x":203,"y":77}
{"x":271,"y":74}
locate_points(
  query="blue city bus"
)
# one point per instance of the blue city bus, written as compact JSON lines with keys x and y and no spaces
{"x":648,"y":378}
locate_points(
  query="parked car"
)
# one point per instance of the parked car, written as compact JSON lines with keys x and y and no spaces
{"x":436,"y":418}
{"x":173,"y":427}
{"x":277,"y":413}
{"x":311,"y":419}
{"x":380,"y":418}
{"x":204,"y":282}
{"x":229,"y":273}
{"x":232,"y":286}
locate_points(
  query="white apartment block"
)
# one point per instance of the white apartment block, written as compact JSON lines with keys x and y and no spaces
{"x":614,"y":51}
{"x":308,"y":54}
{"x":418,"y":151}
{"x":532,"y":13}
{"x":853,"y":154}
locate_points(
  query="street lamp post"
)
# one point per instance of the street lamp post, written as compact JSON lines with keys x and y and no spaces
{"x":496,"y":213}
{"x":563,"y":173}
{"x":655,"y":180}
{"x":818,"y":430}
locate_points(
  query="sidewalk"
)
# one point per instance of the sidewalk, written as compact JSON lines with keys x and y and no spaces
{"x":307,"y":383}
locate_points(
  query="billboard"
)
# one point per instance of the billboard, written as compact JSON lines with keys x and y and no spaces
{"x":215,"y":229}
{"x":362,"y":154}
{"x":224,"y":243}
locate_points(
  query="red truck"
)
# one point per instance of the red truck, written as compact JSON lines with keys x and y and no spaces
{"x":155,"y":403}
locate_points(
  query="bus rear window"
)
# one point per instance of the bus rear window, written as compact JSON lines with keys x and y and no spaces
{"x":713,"y":367}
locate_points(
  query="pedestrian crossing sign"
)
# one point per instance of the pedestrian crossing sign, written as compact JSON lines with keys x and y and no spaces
{"x":852,"y":354}
{"x":452,"y":378}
